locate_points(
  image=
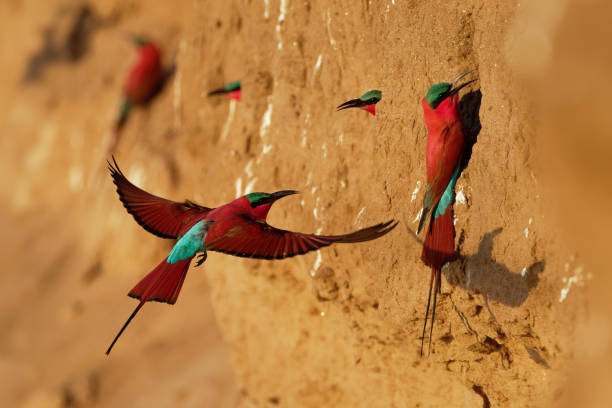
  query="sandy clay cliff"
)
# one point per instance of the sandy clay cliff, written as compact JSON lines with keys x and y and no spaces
{"x":523,"y":319}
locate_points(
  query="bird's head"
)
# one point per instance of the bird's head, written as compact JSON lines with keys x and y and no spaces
{"x":439,"y":92}
{"x":261,"y":202}
{"x":371,"y":97}
{"x":138,"y":40}
{"x":233,"y":86}
{"x":367,"y":101}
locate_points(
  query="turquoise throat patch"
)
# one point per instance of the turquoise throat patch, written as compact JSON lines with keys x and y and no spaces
{"x":189,"y":244}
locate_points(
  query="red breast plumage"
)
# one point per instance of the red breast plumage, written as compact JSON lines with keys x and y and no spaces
{"x":145,"y":75}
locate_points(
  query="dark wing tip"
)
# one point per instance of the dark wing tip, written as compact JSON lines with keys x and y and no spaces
{"x":424,"y":217}
{"x":122,"y":184}
{"x":369,"y":233}
{"x":118,"y":176}
{"x":384,"y":228}
{"x":114,"y":169}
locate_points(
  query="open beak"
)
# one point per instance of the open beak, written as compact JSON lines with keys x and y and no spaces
{"x":454,"y":81}
{"x":453,"y":90}
{"x":353,"y":103}
{"x":283,"y":193}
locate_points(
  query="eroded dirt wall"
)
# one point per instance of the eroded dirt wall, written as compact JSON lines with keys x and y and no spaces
{"x":342,"y":327}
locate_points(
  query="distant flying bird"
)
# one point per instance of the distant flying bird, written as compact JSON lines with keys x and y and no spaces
{"x":367,"y":102}
{"x":238,"y":228}
{"x":445,"y":149}
{"x":144,"y":80}
{"x":233,"y":90}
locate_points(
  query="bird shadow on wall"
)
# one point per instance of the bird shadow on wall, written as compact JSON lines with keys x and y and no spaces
{"x":469,"y":108}
{"x":482,"y":273}
{"x":167,"y":74}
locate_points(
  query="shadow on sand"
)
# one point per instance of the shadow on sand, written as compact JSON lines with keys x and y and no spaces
{"x":482,"y":273}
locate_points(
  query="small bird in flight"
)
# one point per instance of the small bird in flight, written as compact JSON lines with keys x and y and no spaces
{"x":238,"y":228}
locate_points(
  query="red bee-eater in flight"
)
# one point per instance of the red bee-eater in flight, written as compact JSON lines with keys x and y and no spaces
{"x":238,"y":228}
{"x":233,"y":90}
{"x":367,"y":102}
{"x":144,"y":80}
{"x":445,"y":147}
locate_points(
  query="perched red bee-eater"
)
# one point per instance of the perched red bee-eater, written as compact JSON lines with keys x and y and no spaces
{"x":238,"y":228}
{"x":445,"y":148}
{"x":367,"y":102}
{"x":144,"y":80}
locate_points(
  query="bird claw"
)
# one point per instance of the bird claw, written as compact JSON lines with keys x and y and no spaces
{"x":201,"y":259}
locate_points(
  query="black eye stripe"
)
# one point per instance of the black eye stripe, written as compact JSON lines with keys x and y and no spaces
{"x":261,"y":201}
{"x":439,"y":99}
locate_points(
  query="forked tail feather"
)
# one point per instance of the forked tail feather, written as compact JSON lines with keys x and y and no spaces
{"x":438,"y":249}
{"x":435,"y":281}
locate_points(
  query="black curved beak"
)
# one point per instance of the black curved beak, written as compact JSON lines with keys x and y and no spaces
{"x":219,"y":91}
{"x":283,"y":193}
{"x":453,"y":91}
{"x":353,"y":103}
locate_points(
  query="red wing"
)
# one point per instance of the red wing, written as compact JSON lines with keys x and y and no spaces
{"x":157,"y":215}
{"x":442,"y":173}
{"x":444,"y":169}
{"x":241,"y":236}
